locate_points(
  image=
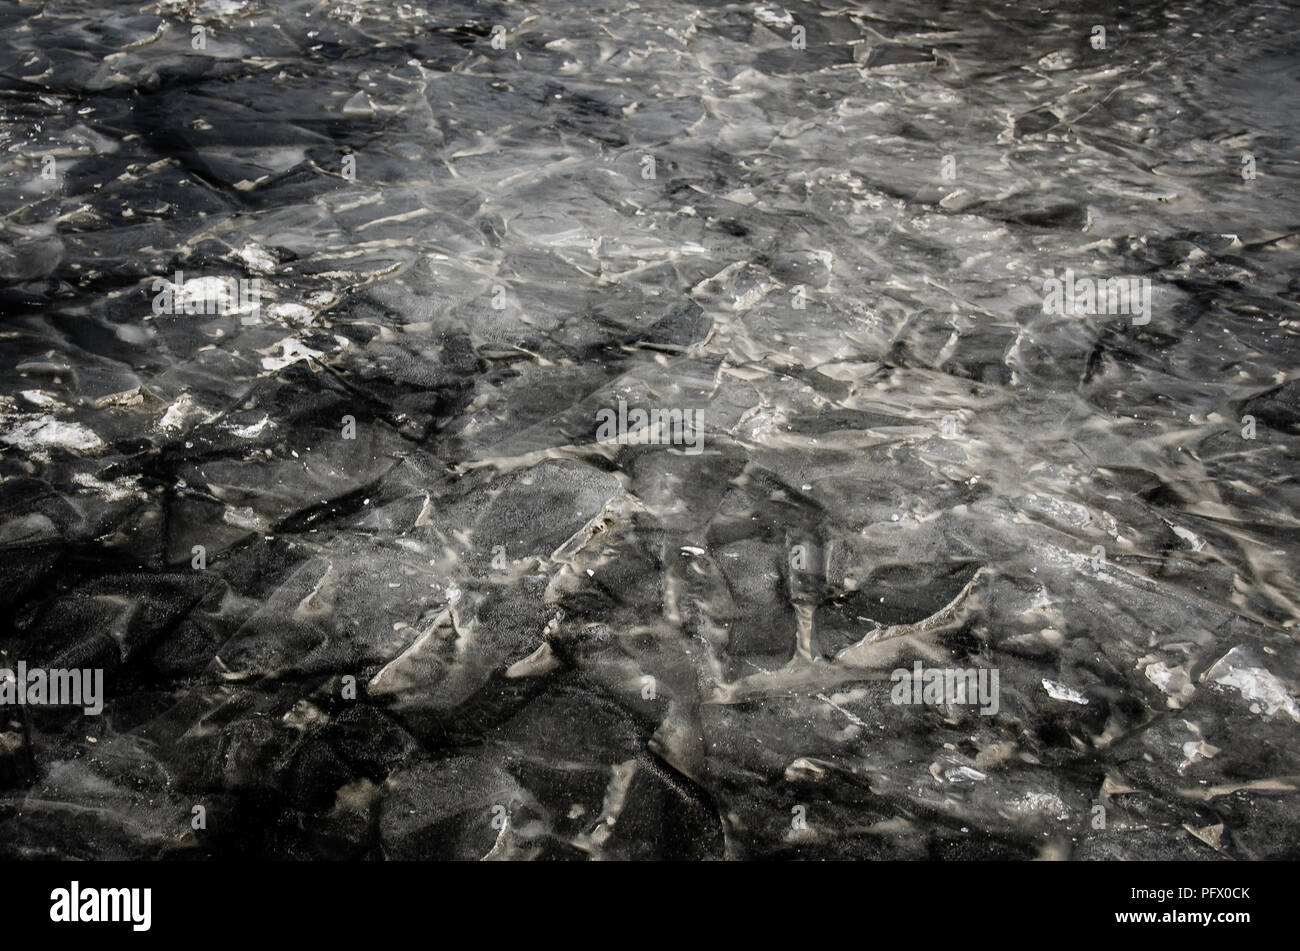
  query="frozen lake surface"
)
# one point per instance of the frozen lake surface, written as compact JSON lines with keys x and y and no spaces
{"x":365,"y":574}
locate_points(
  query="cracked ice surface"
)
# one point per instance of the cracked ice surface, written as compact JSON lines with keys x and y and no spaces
{"x":427,"y":590}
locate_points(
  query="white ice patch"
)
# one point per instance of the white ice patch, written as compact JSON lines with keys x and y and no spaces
{"x":214,"y":296}
{"x":1060,"y":59}
{"x":122,"y":488}
{"x":965,"y":774}
{"x":251,"y":431}
{"x":295,"y":314}
{"x":174,"y":417}
{"x":359,"y":107}
{"x":257,"y":257}
{"x":1194,"y":751}
{"x":1173,"y":681}
{"x":1239,"y":670}
{"x":1059,"y":691}
{"x":774,"y":16}
{"x":46,"y":432}
{"x":1042,"y":803}
{"x":199,"y":289}
{"x":39,"y":397}
{"x":223,"y":7}
{"x":291,"y":351}
{"x":1196,"y":541}
{"x":244,"y":518}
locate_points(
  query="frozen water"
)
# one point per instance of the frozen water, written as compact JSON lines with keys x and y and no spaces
{"x":366,"y":583}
